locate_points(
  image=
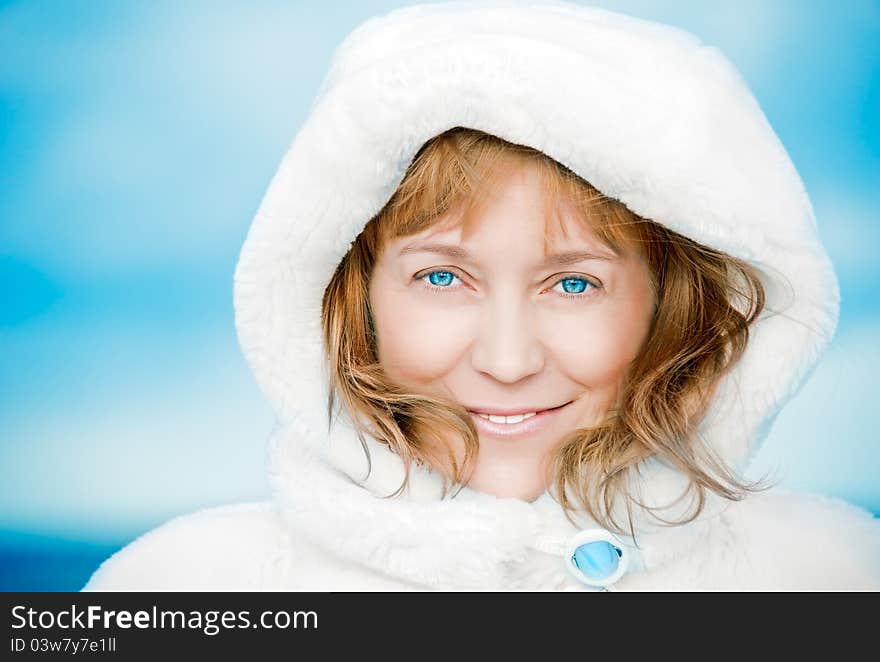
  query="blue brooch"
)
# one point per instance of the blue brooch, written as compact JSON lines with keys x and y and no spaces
{"x":596,"y":557}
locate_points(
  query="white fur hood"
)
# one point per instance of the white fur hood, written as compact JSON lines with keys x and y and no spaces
{"x":646,"y":113}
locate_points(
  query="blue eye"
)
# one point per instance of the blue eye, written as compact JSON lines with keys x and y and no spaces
{"x":572,"y":286}
{"x":439,"y":279}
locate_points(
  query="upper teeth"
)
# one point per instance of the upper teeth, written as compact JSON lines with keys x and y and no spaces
{"x":508,"y":419}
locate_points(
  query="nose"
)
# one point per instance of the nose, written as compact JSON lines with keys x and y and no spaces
{"x":507,"y":347}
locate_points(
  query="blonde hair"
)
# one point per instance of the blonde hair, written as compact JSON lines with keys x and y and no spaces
{"x":705,"y":303}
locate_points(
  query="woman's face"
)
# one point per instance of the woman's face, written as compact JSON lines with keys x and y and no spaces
{"x":504,"y":329}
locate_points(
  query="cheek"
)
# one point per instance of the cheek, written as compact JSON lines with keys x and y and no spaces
{"x":419,"y":340}
{"x":596,"y":347}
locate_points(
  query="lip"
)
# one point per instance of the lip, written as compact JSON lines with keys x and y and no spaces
{"x":513,"y":430}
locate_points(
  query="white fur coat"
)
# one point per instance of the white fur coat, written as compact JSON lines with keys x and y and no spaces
{"x":650,"y":116}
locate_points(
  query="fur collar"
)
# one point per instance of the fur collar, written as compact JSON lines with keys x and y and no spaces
{"x":474,"y":540}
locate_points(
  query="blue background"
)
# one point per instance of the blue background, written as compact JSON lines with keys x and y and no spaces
{"x":136,"y":140}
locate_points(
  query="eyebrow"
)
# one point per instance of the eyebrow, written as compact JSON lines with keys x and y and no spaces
{"x":556,"y":259}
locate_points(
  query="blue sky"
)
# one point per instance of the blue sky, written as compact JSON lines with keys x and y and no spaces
{"x":136,"y":140}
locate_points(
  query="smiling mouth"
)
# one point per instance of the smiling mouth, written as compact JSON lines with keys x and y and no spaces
{"x":515,"y":426}
{"x":521,"y":414}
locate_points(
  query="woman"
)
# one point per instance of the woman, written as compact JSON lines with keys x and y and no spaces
{"x":526,"y":293}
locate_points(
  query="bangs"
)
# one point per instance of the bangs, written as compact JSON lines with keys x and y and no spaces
{"x":457,"y":172}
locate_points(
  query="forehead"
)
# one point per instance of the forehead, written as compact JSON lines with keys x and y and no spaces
{"x":519,"y":205}
{"x":552,"y":206}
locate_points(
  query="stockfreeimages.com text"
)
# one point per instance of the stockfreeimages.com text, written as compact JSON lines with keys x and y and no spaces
{"x":209,"y":622}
